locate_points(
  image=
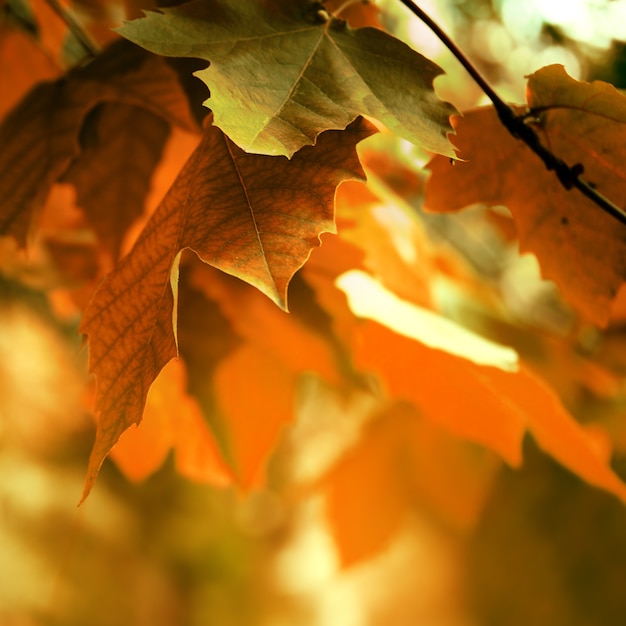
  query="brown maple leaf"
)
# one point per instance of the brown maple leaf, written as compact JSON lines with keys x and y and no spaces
{"x":255,"y":217}
{"x":579,"y":246}
{"x":120,"y":147}
{"x":40,"y":137}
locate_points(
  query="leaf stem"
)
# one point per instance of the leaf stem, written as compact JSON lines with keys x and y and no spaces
{"x":75,"y":28}
{"x":569,"y":176}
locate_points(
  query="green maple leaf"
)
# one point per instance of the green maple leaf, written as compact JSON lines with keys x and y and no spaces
{"x":280,"y":73}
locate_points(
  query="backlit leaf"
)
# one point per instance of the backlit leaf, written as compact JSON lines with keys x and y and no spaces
{"x":455,"y":393}
{"x":256,"y":394}
{"x":280,"y":73}
{"x":579,"y":246}
{"x":401,"y":461}
{"x":483,"y":404}
{"x":368,"y":492}
{"x":370,"y":300}
{"x":255,"y":217}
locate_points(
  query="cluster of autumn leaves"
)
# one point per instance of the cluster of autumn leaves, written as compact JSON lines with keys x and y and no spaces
{"x":188,"y":328}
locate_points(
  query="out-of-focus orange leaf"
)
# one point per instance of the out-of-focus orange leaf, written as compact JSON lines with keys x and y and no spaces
{"x":402,"y":461}
{"x":557,"y":433}
{"x":449,"y":476}
{"x":255,"y":386}
{"x":256,"y":394}
{"x":40,"y":138}
{"x":52,"y":31}
{"x":483,"y":404}
{"x":578,"y":245}
{"x":618,"y":309}
{"x":120,"y":147}
{"x":453,"y":392}
{"x":22,"y":64}
{"x":100,"y":17}
{"x":367,"y":492}
{"x":257,"y":320}
{"x":256,"y":217}
{"x":76,"y":261}
{"x":395,"y":252}
{"x":172,"y":420}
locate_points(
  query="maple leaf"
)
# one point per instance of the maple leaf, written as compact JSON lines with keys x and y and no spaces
{"x":476,"y":392}
{"x":483,"y":404}
{"x":401,"y":459}
{"x":40,"y":138}
{"x":577,"y":245}
{"x":255,"y":217}
{"x":279,"y":74}
{"x":120,"y":147}
{"x":453,"y":392}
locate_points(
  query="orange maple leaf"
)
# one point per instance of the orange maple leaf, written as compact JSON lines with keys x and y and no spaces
{"x":580,"y":247}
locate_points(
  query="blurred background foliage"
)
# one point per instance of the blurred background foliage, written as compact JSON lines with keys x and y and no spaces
{"x":547,"y":549}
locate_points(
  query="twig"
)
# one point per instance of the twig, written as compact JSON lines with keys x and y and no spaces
{"x":75,"y":28}
{"x":569,"y":176}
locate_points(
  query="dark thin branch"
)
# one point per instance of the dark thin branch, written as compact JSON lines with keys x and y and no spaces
{"x":498,"y":103}
{"x":75,"y":28}
{"x":569,"y":176}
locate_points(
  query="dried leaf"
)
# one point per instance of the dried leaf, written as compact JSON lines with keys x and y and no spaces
{"x":120,"y":147}
{"x":252,"y":216}
{"x":579,"y":246}
{"x":40,"y":138}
